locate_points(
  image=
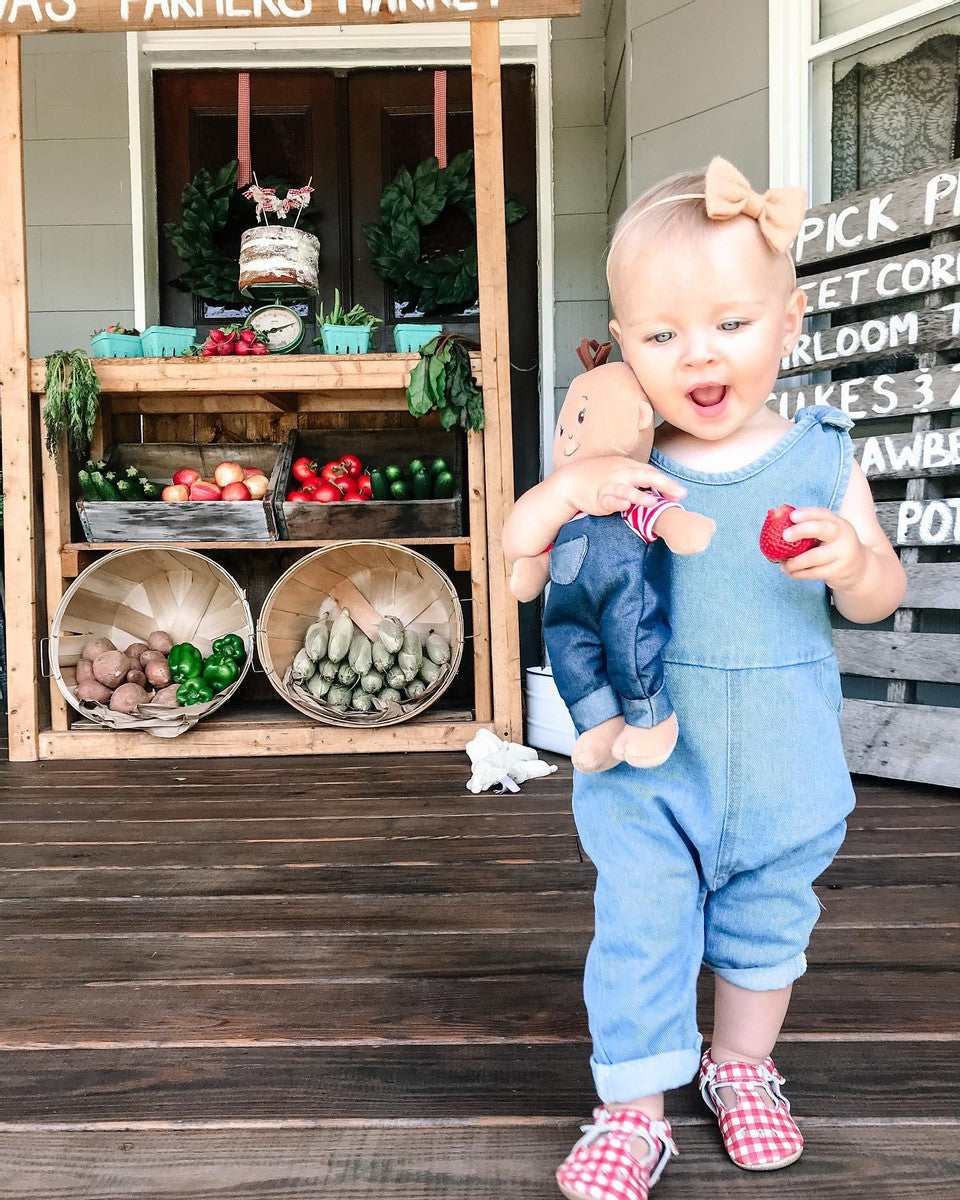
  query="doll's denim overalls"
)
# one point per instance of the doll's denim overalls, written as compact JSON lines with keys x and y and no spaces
{"x":711,"y":857}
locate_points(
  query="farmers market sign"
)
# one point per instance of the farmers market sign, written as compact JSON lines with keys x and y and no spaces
{"x":77,"y":16}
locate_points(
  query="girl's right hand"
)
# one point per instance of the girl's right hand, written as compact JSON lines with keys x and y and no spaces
{"x":612,"y":484}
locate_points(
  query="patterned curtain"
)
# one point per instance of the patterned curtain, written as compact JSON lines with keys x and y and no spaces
{"x":894,"y":119}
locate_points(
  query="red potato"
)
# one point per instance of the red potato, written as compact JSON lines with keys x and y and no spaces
{"x":126,"y":698}
{"x":150,"y":656}
{"x":95,"y":648}
{"x":84,"y":670}
{"x":228,"y":472}
{"x":135,"y":649}
{"x":136,"y":676}
{"x":257,"y":486}
{"x":111,"y":668}
{"x":160,"y":640}
{"x":158,"y":672}
{"x":235,"y":491}
{"x":93,"y":692}
{"x":167,"y":697}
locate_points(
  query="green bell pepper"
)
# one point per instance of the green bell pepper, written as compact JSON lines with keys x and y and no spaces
{"x":219,"y":671}
{"x":194,"y":691}
{"x":186,"y":662}
{"x":230,"y":646}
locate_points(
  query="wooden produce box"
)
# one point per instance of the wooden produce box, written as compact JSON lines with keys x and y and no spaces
{"x":299,"y":520}
{"x":189,"y":520}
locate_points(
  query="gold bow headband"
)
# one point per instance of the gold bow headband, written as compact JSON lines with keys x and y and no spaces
{"x":778,"y":212}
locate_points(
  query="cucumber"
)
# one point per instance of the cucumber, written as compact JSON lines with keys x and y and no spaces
{"x":132,"y":479}
{"x":378,"y":485}
{"x":151,"y":491}
{"x":127,"y":490}
{"x":104,"y":486}
{"x":422,"y":486}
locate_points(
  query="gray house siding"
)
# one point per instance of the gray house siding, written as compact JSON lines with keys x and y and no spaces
{"x":77,"y":173}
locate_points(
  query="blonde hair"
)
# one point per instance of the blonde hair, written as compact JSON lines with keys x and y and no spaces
{"x":674,"y":207}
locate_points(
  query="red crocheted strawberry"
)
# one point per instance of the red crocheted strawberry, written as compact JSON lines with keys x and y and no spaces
{"x":771,"y":536}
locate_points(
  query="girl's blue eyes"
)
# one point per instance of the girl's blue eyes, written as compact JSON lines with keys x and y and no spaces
{"x":665,"y":335}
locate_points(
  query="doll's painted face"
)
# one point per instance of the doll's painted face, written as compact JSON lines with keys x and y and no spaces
{"x":703,"y":321}
{"x":605,"y":412}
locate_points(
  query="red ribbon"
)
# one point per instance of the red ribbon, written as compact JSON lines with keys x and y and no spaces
{"x":244,"y":164}
{"x":440,"y":116}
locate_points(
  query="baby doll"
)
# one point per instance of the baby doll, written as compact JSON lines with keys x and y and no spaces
{"x":604,"y":621}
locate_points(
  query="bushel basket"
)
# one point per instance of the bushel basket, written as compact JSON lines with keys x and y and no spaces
{"x":127,"y":595}
{"x":369,"y":581}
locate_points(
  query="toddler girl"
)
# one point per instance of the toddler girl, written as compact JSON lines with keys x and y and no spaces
{"x":710,"y":858}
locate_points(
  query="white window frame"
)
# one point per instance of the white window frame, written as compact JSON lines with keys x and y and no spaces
{"x":426,"y":45}
{"x":801,"y":83}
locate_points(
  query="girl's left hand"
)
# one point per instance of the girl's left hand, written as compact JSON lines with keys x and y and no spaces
{"x":841,"y":558}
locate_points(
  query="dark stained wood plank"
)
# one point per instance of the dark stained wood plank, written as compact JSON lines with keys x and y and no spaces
{"x":466,"y":1162}
{"x":857,"y":1079}
{"x":41,"y":962}
{"x":544,"y":1007}
{"x":899,"y":908}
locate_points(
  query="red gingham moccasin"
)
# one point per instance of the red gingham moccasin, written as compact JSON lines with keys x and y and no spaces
{"x":601,"y":1166}
{"x":756,"y":1137}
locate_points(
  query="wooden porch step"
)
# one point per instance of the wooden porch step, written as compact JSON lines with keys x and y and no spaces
{"x":476,"y":1161}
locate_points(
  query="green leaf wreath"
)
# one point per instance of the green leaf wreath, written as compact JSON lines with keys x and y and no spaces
{"x":208,"y":233}
{"x":410,"y":204}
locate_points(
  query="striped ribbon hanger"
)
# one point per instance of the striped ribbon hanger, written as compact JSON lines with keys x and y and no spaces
{"x":244,"y":164}
{"x":440,"y":116}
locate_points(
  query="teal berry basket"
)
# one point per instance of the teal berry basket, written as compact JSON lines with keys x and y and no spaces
{"x":410,"y":339}
{"x":116,"y":345}
{"x":166,"y":341}
{"x":345,"y":339}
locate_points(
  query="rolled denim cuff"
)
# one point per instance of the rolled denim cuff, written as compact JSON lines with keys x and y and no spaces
{"x":617,"y":1083}
{"x":764,"y":979}
{"x":649,"y":711}
{"x":596,"y":708}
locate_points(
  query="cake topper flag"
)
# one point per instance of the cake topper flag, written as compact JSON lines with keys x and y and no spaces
{"x":267,"y":200}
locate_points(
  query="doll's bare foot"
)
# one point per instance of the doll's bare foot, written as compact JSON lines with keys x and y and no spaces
{"x":685,"y":532}
{"x":592,"y":750}
{"x":528,"y":577}
{"x":647,"y":747}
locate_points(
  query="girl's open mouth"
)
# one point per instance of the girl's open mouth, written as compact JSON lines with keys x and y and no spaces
{"x":710,"y":399}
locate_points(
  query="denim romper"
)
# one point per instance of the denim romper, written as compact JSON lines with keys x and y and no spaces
{"x":711,"y":857}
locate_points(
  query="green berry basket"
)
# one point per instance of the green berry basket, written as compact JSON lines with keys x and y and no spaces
{"x":411,"y":338}
{"x":116,"y":345}
{"x":166,"y":341}
{"x":346,"y":339}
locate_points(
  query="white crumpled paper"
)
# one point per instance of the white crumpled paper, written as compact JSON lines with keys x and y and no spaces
{"x":505,"y":763}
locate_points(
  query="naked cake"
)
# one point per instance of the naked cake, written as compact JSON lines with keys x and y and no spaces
{"x":273,"y":254}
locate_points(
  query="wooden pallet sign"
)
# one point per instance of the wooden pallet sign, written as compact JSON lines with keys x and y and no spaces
{"x":881,"y":270}
{"x":127,"y":16}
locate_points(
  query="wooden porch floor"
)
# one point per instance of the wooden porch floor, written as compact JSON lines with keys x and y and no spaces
{"x":346,"y":978}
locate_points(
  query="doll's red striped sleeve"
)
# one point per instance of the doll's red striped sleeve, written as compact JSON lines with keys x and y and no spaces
{"x":642,"y":520}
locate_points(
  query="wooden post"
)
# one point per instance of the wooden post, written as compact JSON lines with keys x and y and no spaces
{"x":495,"y":359}
{"x":16,"y":422}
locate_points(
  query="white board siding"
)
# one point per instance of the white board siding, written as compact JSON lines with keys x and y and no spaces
{"x":77,"y":174}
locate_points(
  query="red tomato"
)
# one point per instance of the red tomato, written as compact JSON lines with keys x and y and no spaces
{"x":333,"y":472}
{"x":326,"y":493}
{"x":303,"y":468}
{"x":351,"y":465}
{"x":363,"y":484}
{"x":297,"y":495}
{"x":355,"y":498}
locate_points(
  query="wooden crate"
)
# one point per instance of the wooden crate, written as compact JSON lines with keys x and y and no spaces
{"x":189,"y":521}
{"x":375,"y":518}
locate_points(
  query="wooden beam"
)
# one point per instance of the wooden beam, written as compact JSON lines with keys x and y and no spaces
{"x":495,"y":356}
{"x":127,"y":16}
{"x":16,"y":422}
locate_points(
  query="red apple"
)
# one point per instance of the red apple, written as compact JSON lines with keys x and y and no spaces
{"x":228,"y":472}
{"x":187,"y":476}
{"x":175,"y":492}
{"x":257,"y":486}
{"x":235,"y":491}
{"x":202,"y":490}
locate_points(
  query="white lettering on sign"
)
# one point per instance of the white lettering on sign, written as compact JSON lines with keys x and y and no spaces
{"x":899,"y":329}
{"x":932,"y":522}
{"x":938,"y":188}
{"x":238,"y":10}
{"x":881,"y":398}
{"x":927,"y":451}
